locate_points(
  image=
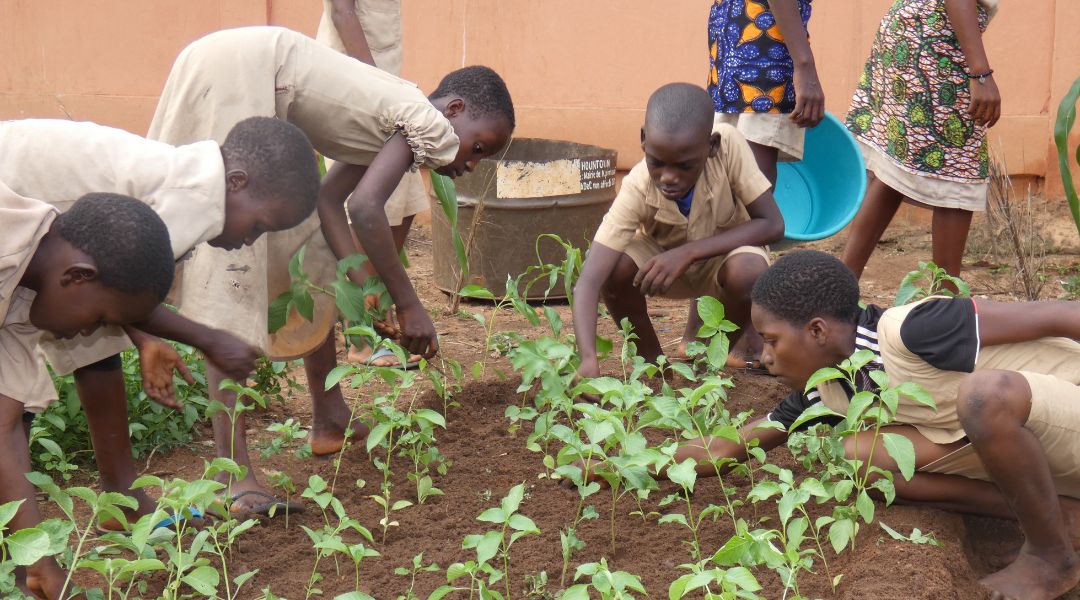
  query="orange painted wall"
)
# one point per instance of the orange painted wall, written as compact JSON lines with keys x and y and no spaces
{"x":577,"y":70}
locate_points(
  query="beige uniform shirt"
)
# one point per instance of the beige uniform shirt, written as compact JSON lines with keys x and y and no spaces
{"x":23,"y":376}
{"x":730,"y":182}
{"x":59,"y":161}
{"x":347,"y":109}
{"x":381,"y":22}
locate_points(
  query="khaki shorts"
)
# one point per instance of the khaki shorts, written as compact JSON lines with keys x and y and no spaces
{"x":23,"y":375}
{"x":772,"y":130}
{"x":1054,"y":420}
{"x":701,"y":279}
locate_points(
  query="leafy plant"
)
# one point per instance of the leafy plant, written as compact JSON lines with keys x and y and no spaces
{"x":60,"y":436}
{"x":482,"y":574}
{"x":610,"y":585}
{"x":929,"y":280}
{"x":416,"y":567}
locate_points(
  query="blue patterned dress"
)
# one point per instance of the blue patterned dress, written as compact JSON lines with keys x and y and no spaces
{"x":751,"y":69}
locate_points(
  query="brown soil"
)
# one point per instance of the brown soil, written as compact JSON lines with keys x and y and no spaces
{"x":488,"y":458}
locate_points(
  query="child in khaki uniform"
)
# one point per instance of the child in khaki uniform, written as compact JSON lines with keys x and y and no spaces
{"x":690,"y":220}
{"x":107,"y":261}
{"x":370,"y":31}
{"x":377,"y":127}
{"x":1004,"y":439}
{"x":262,"y":178}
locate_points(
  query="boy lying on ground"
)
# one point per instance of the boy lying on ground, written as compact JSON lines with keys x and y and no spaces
{"x":262,"y":178}
{"x":690,"y":220}
{"x":1004,"y":440}
{"x":377,"y":127}
{"x":106,"y":261}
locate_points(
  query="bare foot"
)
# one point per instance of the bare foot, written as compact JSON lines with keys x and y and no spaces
{"x":1034,"y":577}
{"x":329,"y":439}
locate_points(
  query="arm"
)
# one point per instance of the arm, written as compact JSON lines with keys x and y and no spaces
{"x":708,"y":450}
{"x":367,"y":209}
{"x":598,"y":266}
{"x":765,"y":226}
{"x":235,"y":357}
{"x":343,"y":15}
{"x":809,"y":98}
{"x":1011,"y":322}
{"x":985,"y":99}
{"x":339,"y":182}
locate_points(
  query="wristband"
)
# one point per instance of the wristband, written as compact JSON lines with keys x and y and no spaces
{"x":981,"y":77}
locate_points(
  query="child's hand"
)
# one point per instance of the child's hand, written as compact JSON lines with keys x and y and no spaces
{"x":587,"y":370}
{"x":157,"y":361}
{"x":417,"y":332}
{"x":658,"y":275}
{"x":809,"y":98}
{"x":232,"y":355}
{"x":985,"y":101}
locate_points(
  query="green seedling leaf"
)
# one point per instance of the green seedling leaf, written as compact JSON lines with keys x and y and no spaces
{"x":26,"y":546}
{"x":815,"y":412}
{"x":476,"y":291}
{"x":841,"y":533}
{"x":204,"y":580}
{"x":822,"y":375}
{"x":278,"y":312}
{"x":684,"y":474}
{"x":902,"y":451}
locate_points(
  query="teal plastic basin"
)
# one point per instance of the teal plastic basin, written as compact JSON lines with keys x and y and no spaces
{"x":820,"y":194}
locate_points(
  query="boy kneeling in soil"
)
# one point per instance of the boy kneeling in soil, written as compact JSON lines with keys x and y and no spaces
{"x":262,"y":178}
{"x":690,"y":220}
{"x":107,"y":261}
{"x":1004,"y":440}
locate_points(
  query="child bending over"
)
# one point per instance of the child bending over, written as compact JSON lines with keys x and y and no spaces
{"x":377,"y":127}
{"x":263,"y":177}
{"x":106,"y":261}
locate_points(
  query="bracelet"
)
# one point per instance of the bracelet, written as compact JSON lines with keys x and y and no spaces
{"x":981,"y":78}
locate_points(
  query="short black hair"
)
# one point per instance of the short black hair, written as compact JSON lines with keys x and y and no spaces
{"x":679,"y":107}
{"x":125,"y":238}
{"x":484,"y":92}
{"x":279,"y":161}
{"x":807,"y":284}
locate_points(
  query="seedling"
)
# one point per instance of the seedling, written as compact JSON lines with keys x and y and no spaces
{"x":929,"y":280}
{"x":611,"y":585}
{"x":411,"y":572}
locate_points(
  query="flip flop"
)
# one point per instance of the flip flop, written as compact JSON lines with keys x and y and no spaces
{"x":167,"y":522}
{"x":263,"y":509}
{"x":754,"y":367}
{"x":384,"y":352}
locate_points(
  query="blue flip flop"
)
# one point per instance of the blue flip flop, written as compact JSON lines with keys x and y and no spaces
{"x":174,"y":518}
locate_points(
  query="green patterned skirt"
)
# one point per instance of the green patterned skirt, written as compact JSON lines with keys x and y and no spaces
{"x":909,"y":111}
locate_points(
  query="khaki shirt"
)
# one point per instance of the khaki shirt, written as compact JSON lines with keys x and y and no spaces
{"x":730,"y":182}
{"x":381,"y":21}
{"x":25,"y":221}
{"x":348,"y":109}
{"x":58,"y":161}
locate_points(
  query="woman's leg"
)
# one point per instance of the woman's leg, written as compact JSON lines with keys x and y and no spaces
{"x":950,"y":232}
{"x":878,"y":209}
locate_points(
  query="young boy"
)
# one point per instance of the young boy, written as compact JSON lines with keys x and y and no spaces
{"x":690,"y":220}
{"x":107,"y":261}
{"x":377,"y":127}
{"x":1006,"y":380}
{"x":263,"y":177}
{"x":370,"y":31}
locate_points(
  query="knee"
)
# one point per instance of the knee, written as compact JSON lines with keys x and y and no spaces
{"x":740,"y":273}
{"x":990,"y":398}
{"x":621,"y":279}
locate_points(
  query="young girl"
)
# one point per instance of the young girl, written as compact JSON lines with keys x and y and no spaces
{"x":377,"y":127}
{"x":763,"y":81}
{"x":920,"y":113}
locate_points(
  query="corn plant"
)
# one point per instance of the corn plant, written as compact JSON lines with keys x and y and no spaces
{"x":1066,"y":117}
